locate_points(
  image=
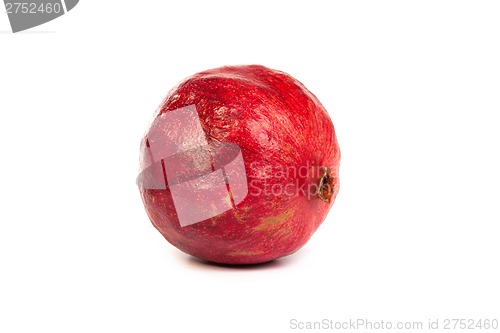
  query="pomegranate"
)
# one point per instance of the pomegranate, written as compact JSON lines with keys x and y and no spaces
{"x":239,"y":165}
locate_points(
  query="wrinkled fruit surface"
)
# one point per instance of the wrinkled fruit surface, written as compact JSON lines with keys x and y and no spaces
{"x":239,"y":165}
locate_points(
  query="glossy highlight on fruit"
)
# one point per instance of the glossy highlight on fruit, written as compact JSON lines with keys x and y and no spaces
{"x":240,"y":165}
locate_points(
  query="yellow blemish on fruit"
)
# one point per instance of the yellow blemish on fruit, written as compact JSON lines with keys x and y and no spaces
{"x":287,"y":148}
{"x":220,"y":111}
{"x":283,"y":231}
{"x":238,"y":216}
{"x":246,"y":253}
{"x":228,"y":201}
{"x":214,"y":210}
{"x":214,"y":220}
{"x":268,"y":223}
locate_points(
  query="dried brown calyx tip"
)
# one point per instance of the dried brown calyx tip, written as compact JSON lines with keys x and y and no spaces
{"x":326,"y":186}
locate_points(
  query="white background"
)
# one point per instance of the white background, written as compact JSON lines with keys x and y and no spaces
{"x":413,"y":90}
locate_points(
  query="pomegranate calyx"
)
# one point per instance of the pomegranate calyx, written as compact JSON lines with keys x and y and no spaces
{"x":326,"y":186}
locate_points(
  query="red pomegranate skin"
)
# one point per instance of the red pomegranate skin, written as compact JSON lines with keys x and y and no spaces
{"x":281,"y":129}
